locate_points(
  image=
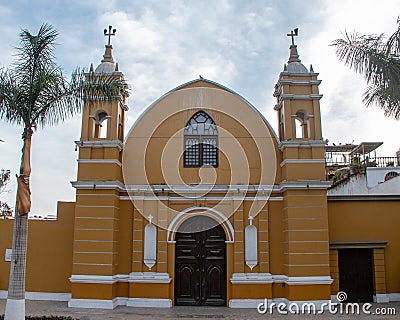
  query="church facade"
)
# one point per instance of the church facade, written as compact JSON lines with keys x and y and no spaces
{"x":203,"y":204}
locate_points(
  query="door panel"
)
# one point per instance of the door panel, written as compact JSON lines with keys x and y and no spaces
{"x":356,"y":274}
{"x":200,"y":268}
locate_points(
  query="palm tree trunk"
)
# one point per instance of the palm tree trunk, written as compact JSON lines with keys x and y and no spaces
{"x":15,"y":307}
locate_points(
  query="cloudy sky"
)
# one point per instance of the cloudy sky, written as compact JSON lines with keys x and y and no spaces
{"x":162,"y":44}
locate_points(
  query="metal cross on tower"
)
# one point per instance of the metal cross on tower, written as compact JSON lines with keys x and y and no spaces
{"x":109,"y":34}
{"x":293,"y":33}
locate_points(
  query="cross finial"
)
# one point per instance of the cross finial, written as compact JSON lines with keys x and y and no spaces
{"x":109,"y":34}
{"x":150,"y":218}
{"x":293,"y":33}
{"x":251,"y":220}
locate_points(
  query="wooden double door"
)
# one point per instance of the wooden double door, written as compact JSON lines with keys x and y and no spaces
{"x":200,"y":268}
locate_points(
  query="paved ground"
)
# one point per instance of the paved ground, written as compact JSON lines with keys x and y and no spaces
{"x":122,"y":313}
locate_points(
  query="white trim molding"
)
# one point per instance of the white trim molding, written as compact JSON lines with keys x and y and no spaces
{"x":209,"y":198}
{"x":98,"y":184}
{"x":291,"y":96}
{"x":82,"y":278}
{"x":193,"y":191}
{"x":100,"y":144}
{"x":245,"y":303}
{"x":304,"y":184}
{"x":299,"y":82}
{"x":96,"y":303}
{"x":149,"y":303}
{"x":251,"y":278}
{"x":301,"y":144}
{"x":113,"y":161}
{"x":381,"y":298}
{"x":149,"y":277}
{"x":297,"y":161}
{"x":363,"y":197}
{"x":393,"y":296}
{"x":296,"y":281}
{"x":195,"y":211}
{"x":263,"y":278}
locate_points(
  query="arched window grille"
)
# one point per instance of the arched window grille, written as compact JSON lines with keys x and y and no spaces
{"x":201,"y":141}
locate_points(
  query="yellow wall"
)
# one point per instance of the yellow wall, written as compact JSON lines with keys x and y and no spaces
{"x":49,"y":259}
{"x":369,"y":221}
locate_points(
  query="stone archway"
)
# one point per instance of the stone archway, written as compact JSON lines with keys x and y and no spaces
{"x":188,"y":213}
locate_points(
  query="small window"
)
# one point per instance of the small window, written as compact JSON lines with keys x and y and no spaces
{"x":298,"y":128}
{"x":201,"y":142}
{"x":101,"y":124}
{"x":301,"y":124}
{"x":391,"y":175}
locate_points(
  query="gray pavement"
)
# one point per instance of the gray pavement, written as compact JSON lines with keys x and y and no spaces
{"x":60,"y":308}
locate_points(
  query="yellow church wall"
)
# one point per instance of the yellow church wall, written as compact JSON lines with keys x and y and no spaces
{"x":99,"y":171}
{"x":94,"y":291}
{"x":96,"y":232}
{"x":124,"y":237}
{"x":297,"y":89}
{"x":251,"y":291}
{"x":369,"y":221}
{"x":149,"y":290}
{"x":303,"y":171}
{"x":49,"y":257}
{"x":169,"y":117}
{"x":307,"y":292}
{"x":276,"y":237}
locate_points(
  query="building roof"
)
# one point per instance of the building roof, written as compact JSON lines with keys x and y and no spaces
{"x":365,"y":147}
{"x":341,"y":148}
{"x":294,"y":63}
{"x":107,"y":65}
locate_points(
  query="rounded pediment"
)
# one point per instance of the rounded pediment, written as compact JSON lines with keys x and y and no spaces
{"x":170,"y":145}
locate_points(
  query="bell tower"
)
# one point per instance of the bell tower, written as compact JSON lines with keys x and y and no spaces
{"x":103,"y":118}
{"x":99,"y":182}
{"x":303,"y":184}
{"x":298,"y":98}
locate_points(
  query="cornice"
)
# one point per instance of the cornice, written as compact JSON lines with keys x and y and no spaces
{"x":301,"y":144}
{"x":100,"y":144}
{"x":236,"y":192}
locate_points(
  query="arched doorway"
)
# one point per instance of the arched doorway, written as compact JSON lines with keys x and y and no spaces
{"x":200,"y":263}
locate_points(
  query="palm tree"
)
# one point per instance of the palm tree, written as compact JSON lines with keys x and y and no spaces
{"x":378,"y":61}
{"x":34,"y":93}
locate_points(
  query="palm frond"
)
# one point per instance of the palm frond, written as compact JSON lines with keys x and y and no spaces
{"x":361,"y":53}
{"x":36,"y":93}
{"x":12,"y":99}
{"x":386,"y":98}
{"x":393,"y":43}
{"x":378,"y":61}
{"x":98,"y":86}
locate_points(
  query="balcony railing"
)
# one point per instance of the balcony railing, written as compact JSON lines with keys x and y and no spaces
{"x":379,"y":162}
